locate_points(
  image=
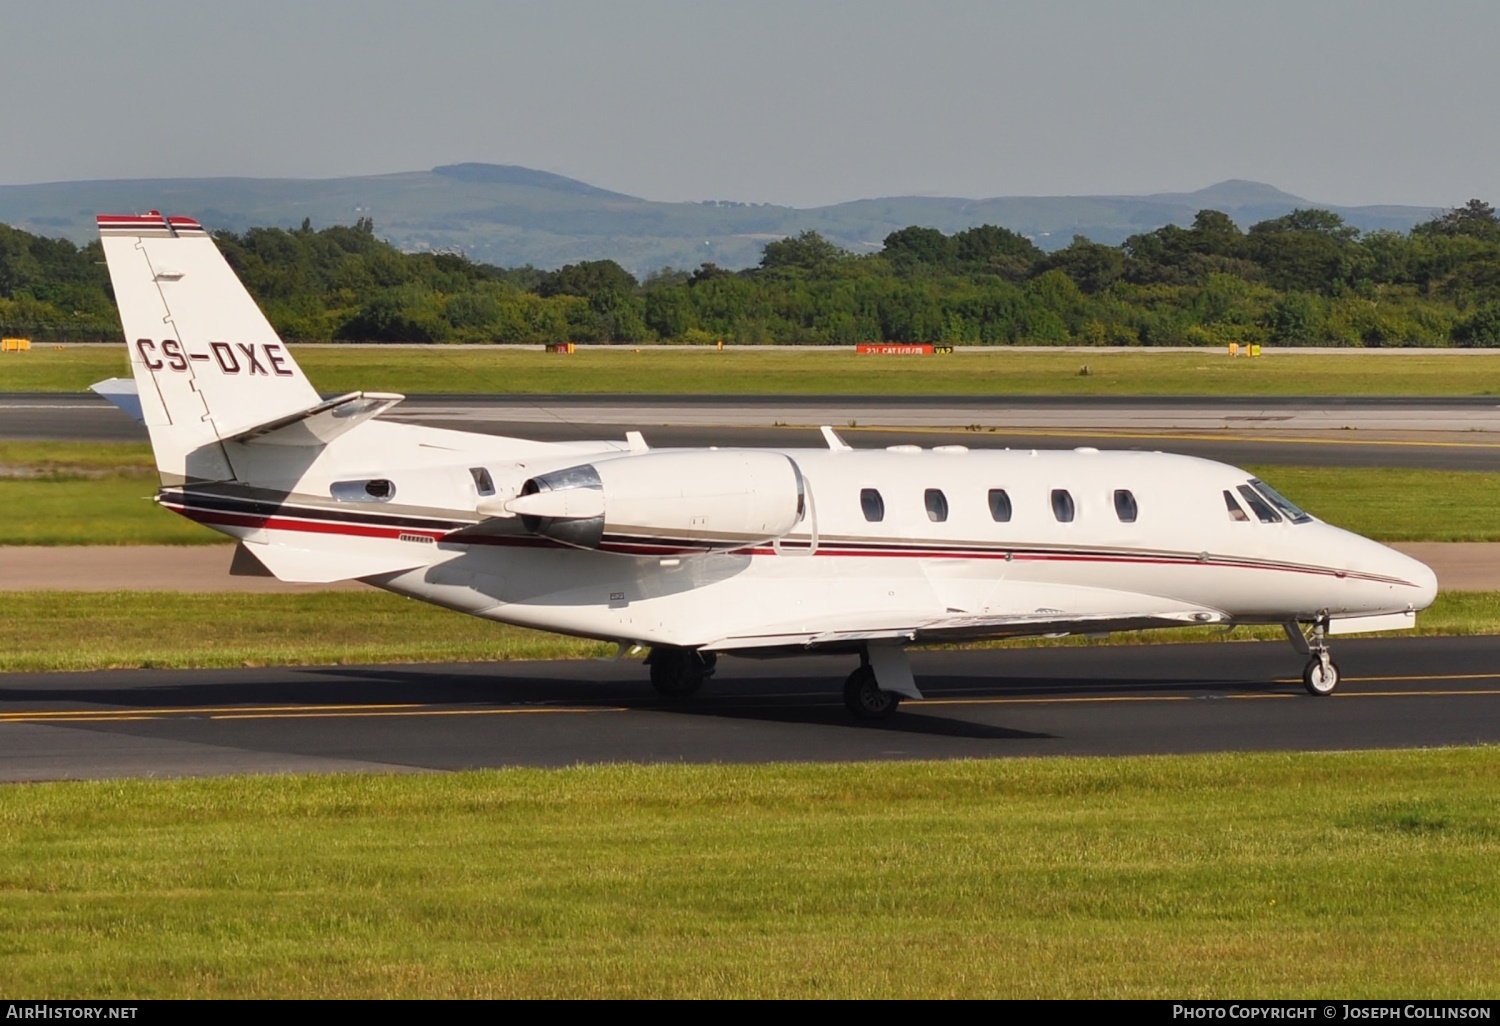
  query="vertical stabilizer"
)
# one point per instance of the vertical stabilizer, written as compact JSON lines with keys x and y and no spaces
{"x":207,"y":364}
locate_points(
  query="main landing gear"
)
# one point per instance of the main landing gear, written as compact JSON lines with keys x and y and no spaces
{"x":863,"y":697}
{"x":680,"y":672}
{"x":1321,"y":674}
{"x":873,"y":691}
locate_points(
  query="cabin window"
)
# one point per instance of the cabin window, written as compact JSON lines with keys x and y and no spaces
{"x":1125,"y":506}
{"x":1259,"y":506}
{"x":483,"y":483}
{"x":873,"y":505}
{"x":999,"y":506}
{"x":1062,"y":505}
{"x":937,"y":505}
{"x":1281,"y":502}
{"x":376,"y":490}
{"x":1235,"y":513}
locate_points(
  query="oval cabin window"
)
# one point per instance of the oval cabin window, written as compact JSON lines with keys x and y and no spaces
{"x":872,"y":504}
{"x":937,"y":505}
{"x":999,"y":506}
{"x":1062,"y":505}
{"x":1125,"y":506}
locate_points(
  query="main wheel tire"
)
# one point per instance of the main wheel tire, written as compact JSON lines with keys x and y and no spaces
{"x":1318,"y":680}
{"x":865,"y":699}
{"x":679,"y":673}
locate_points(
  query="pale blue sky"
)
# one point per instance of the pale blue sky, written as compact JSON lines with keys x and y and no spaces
{"x":800,"y":103}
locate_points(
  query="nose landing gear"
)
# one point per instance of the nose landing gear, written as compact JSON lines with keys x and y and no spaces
{"x":1321,"y":674}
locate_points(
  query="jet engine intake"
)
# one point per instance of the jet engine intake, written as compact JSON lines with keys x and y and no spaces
{"x":720,"y":499}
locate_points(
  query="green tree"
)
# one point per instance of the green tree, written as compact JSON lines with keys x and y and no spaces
{"x":915,"y":248}
{"x":1481,"y":328}
{"x":586,"y":279}
{"x":1091,"y":266}
{"x":1475,"y":219}
{"x":806,"y":252}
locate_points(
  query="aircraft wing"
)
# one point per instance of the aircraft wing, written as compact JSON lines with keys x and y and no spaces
{"x":321,"y":565}
{"x":966,"y":626}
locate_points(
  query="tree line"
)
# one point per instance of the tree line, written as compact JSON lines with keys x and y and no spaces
{"x":1303,"y":279}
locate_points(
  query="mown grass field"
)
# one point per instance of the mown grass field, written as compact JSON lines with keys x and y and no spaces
{"x":1351,"y":875}
{"x":820,"y":371}
{"x":91,"y":493}
{"x":62,"y":630}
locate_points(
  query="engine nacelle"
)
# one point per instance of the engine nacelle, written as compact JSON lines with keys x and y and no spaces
{"x":719,"y":499}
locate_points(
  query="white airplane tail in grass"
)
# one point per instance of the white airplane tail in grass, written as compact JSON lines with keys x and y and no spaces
{"x":694,"y":553}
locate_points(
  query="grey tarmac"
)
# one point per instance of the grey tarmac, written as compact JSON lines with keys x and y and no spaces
{"x":1157,"y":699}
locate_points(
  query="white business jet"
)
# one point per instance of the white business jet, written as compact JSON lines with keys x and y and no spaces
{"x":691,"y":553}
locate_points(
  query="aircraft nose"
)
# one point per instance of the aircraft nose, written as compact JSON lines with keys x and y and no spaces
{"x":1417,"y":573}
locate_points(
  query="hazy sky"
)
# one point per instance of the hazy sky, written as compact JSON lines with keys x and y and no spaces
{"x":803,"y":102}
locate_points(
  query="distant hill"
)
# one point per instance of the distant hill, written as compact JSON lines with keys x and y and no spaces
{"x":508,"y":215}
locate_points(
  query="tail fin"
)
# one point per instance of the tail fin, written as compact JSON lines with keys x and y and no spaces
{"x":208,"y":366}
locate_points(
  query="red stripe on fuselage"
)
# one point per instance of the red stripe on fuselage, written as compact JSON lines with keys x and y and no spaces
{"x":207,"y":516}
{"x":277,"y":523}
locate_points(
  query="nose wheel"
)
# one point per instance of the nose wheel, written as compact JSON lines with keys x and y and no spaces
{"x":1321,"y":674}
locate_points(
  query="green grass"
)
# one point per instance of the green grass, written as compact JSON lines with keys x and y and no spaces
{"x":993,"y":371}
{"x":87,"y":493}
{"x":91,"y":493}
{"x":1395,"y":504}
{"x":61,"y":630}
{"x":1349,"y":875}
{"x":59,"y":460}
{"x":112,"y":511}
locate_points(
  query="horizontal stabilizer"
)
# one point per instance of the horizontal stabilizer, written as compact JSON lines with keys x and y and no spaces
{"x":324,"y":566}
{"x":320,"y":424}
{"x":122,"y":393}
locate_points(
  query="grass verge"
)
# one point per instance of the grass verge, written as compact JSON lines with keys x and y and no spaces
{"x":1353,"y":875}
{"x":60,"y":630}
{"x":819,"y":371}
{"x":1395,"y":504}
{"x":88,"y":493}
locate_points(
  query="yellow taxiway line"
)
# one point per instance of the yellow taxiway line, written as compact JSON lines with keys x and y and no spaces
{"x":308,"y":712}
{"x":288,"y":712}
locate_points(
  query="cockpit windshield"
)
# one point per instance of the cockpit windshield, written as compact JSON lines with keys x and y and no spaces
{"x":1281,"y":502}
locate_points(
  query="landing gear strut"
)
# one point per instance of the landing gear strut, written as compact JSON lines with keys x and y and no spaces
{"x":680,"y":672}
{"x":1321,"y":674}
{"x":863,"y":695}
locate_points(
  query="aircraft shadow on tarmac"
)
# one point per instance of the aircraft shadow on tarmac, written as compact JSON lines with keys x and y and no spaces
{"x":812,"y":700}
